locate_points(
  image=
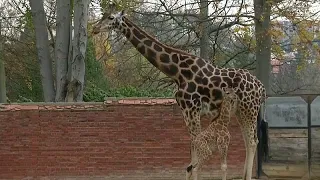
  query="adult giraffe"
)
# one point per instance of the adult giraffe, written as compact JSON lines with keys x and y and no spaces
{"x":199,"y":83}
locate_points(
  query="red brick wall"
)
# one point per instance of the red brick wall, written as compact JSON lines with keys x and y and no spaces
{"x":129,"y":139}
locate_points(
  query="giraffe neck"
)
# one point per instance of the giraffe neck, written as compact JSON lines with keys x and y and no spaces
{"x":163,"y":57}
{"x":222,"y":121}
{"x":212,"y":131}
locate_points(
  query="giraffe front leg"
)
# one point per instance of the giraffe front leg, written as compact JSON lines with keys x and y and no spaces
{"x":245,"y":139}
{"x":196,"y":160}
{"x":189,"y":172}
{"x":196,"y":172}
{"x":192,"y":120}
{"x":223,"y":145}
{"x":224,"y":168}
{"x":193,"y":171}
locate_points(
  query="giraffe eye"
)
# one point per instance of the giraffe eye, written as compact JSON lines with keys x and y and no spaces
{"x":111,"y":17}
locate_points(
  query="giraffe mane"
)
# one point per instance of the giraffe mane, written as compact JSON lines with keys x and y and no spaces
{"x":156,"y":40}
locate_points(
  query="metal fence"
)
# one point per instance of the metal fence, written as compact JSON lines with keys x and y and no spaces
{"x":293,"y":135}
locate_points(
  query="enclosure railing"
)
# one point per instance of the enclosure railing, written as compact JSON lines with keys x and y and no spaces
{"x":293,"y":131}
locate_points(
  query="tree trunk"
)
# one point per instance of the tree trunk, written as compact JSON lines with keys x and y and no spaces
{"x":42,"y":43}
{"x":262,"y":11}
{"x":62,"y":48}
{"x":76,"y":85}
{"x":3,"y":90}
{"x":204,"y":33}
{"x":69,"y":97}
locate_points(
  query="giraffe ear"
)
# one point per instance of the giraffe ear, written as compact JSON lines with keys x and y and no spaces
{"x":112,"y":7}
{"x":122,"y":12}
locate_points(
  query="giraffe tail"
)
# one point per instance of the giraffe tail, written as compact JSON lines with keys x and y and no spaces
{"x":264,"y":130}
{"x":264,"y":111}
{"x":264,"y":101}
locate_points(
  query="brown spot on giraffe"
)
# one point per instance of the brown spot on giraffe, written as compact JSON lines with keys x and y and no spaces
{"x":165,"y":58}
{"x":158,"y":48}
{"x":175,"y":58}
{"x":183,"y":57}
{"x":190,"y":62}
{"x":191,"y":87}
{"x":170,"y":69}
{"x":142,"y":49}
{"x":194,"y":69}
{"x":147,"y":43}
{"x":187,"y":74}
{"x":201,"y":62}
{"x":183,"y":65}
{"x":136,"y":33}
{"x":135,"y":41}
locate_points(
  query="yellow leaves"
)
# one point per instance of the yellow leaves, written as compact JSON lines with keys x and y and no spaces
{"x":110,"y":65}
{"x":107,"y":47}
{"x":290,"y":14}
{"x":103,"y":50}
{"x":261,"y":18}
{"x":29,"y":82}
{"x":276,"y":34}
{"x":120,"y":4}
{"x":245,"y":33}
{"x":315,"y":46}
{"x":306,"y":35}
{"x":241,"y":29}
{"x":236,"y":30}
{"x":300,"y":67}
{"x":277,"y":51}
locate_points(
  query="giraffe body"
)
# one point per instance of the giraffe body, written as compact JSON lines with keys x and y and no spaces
{"x":199,"y":83}
{"x":215,"y":136}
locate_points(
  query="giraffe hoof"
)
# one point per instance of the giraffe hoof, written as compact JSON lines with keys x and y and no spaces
{"x":189,"y":168}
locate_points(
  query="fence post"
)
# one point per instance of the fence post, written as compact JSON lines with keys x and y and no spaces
{"x":309,"y":135}
{"x":309,"y":100}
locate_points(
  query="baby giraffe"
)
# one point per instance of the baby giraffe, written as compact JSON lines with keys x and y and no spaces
{"x":215,"y":136}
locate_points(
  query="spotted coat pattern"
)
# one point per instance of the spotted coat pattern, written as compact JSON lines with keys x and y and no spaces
{"x":199,"y":83}
{"x":215,"y":136}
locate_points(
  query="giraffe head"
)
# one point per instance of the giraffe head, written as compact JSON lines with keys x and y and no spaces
{"x":110,"y":20}
{"x":230,"y":93}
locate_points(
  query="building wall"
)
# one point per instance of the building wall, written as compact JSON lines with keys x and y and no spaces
{"x":124,"y":139}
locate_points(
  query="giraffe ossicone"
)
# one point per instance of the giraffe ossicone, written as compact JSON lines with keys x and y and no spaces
{"x":200,"y":83}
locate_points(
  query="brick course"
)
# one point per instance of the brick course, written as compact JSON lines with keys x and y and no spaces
{"x":118,"y":139}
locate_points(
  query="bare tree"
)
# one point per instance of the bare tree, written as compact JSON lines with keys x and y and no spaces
{"x":42,"y":43}
{"x":76,"y":85}
{"x":262,"y":11}
{"x":62,"y":47}
{"x":204,"y":30}
{"x":3,"y":96}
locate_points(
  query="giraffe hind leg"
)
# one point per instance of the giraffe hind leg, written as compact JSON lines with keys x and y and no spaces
{"x":249,"y":131}
{"x":245,"y":139}
{"x":251,"y":154}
